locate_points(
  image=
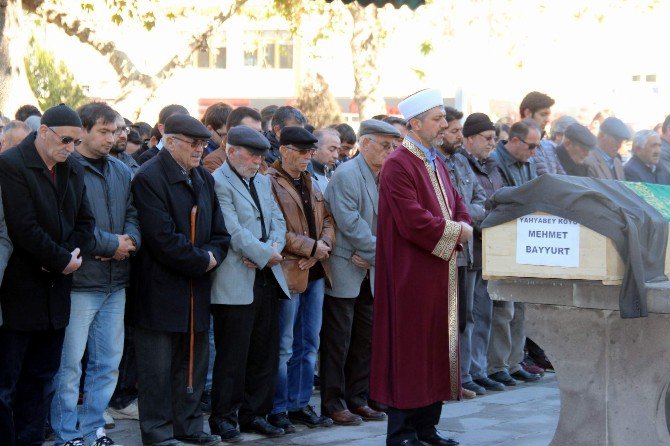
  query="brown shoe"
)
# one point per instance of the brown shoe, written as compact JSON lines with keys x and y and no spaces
{"x":369,"y":414}
{"x":467,"y":394}
{"x":345,"y":418}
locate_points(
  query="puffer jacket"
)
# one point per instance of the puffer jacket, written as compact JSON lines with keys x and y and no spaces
{"x":299,"y":244}
{"x":111,"y":201}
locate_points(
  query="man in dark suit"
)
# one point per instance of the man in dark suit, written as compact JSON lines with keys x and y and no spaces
{"x":51,"y":225}
{"x":171,"y":305}
{"x":645,"y":165}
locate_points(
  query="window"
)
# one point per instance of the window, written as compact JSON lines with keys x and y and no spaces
{"x":221,"y":57}
{"x":203,"y":58}
{"x":636,"y":78}
{"x":650,"y":78}
{"x":268,"y":49}
{"x":213,"y":56}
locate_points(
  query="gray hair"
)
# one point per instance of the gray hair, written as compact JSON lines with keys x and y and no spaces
{"x":12,"y":125}
{"x":321,"y":133}
{"x":641,"y":136}
{"x":421,"y":116}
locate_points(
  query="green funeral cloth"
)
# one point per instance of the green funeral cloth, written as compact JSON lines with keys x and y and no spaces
{"x":657,"y":195}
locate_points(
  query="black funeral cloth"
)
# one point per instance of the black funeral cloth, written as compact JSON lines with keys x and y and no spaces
{"x":608,"y":207}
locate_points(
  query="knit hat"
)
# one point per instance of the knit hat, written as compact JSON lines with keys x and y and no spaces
{"x":61,"y":116}
{"x":477,"y":123}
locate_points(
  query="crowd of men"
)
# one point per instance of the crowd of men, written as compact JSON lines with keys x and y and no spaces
{"x":156,"y":273}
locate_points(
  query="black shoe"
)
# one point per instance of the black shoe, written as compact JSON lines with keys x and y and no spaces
{"x":206,"y":401}
{"x":226,"y":430}
{"x":309,"y":418}
{"x":201,"y":439}
{"x":503,"y":377}
{"x":474,"y":387}
{"x":435,"y":438}
{"x":411,"y":443}
{"x":260,"y":425}
{"x":489,"y":384}
{"x":281,"y":421}
{"x":523,"y":375}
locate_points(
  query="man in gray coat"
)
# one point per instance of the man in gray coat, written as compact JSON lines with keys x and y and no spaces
{"x":98,"y":287}
{"x":352,"y":198}
{"x":245,"y":292}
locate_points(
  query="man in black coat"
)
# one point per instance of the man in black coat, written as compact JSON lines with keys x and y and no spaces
{"x":171,"y":304}
{"x":50,"y":223}
{"x":165,"y":113}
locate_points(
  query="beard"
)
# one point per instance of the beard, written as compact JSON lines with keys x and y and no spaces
{"x":451,"y":148}
{"x":118,"y":148}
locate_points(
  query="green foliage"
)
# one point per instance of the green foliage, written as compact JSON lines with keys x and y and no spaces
{"x":137,"y":10}
{"x":51,"y":81}
{"x":426,"y":48}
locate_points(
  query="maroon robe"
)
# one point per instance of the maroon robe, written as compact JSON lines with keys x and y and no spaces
{"x":415,"y":326}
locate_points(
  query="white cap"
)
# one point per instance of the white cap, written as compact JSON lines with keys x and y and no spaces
{"x":420,"y":102}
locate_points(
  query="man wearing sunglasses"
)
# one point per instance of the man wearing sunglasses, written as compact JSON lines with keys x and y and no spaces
{"x":506,"y":347}
{"x":310,"y":237}
{"x":51,"y":225}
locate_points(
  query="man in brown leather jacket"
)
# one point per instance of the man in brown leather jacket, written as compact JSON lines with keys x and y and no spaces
{"x":310,"y":235}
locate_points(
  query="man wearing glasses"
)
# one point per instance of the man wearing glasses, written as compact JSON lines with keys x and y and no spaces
{"x":352,"y":197}
{"x":310,"y":237}
{"x":506,"y":347}
{"x":184,"y":238}
{"x":51,"y":225}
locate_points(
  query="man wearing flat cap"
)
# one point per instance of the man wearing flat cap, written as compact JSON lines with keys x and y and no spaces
{"x":605,"y":162}
{"x":184,"y":238}
{"x":352,"y":197}
{"x":51,"y":226}
{"x":422,"y":224}
{"x":310,"y":237}
{"x":246,"y":290}
{"x":578,"y":143}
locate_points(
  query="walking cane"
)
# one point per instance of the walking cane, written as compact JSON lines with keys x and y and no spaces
{"x":189,"y":388}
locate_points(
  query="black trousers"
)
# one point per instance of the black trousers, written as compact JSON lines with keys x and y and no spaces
{"x":28,"y":362}
{"x":408,"y":424}
{"x":247,"y":354}
{"x":126,"y":386}
{"x":346,"y":334}
{"x":166,"y":409}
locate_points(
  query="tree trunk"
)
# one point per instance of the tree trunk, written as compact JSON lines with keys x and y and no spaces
{"x":14,"y":88}
{"x":366,"y":41}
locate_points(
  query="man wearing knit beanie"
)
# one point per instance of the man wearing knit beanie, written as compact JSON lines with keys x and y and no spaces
{"x":51,"y":225}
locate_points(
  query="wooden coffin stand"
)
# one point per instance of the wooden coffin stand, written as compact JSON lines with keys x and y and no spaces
{"x":613,"y":373}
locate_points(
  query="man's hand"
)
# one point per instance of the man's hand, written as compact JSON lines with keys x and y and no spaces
{"x":75,"y":262}
{"x":304,"y":264}
{"x":276,"y":258}
{"x":126,"y":246}
{"x":322,"y":250}
{"x":359,"y":262}
{"x":466,"y":232}
{"x":212,"y":261}
{"x":249,"y":263}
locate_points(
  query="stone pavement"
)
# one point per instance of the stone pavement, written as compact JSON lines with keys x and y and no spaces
{"x":525,"y":416}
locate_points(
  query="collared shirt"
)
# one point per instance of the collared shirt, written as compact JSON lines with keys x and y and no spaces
{"x":431,"y":153}
{"x":251,"y":187}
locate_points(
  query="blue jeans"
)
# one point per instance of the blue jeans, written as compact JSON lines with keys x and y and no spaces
{"x":96,"y":324}
{"x":299,"y":327}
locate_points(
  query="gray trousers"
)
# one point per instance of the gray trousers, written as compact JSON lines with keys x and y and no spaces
{"x":466,"y":291}
{"x":166,"y":410}
{"x":507,"y":337}
{"x":482,"y":309}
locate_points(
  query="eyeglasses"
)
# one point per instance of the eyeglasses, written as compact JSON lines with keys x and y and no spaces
{"x":120,"y":130}
{"x":487,"y":138}
{"x":195,"y":144}
{"x":386,"y":146}
{"x":531,"y":146}
{"x":66,"y":139}
{"x":311,"y":152}
{"x":221,"y":135}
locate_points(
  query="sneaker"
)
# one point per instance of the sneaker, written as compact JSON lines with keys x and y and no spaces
{"x":75,"y":442}
{"x":103,"y":439}
{"x":109,"y":420}
{"x":130,"y":412}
